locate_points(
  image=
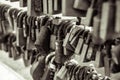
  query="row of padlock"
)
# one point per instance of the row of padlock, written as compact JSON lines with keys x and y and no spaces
{"x":35,"y":37}
{"x":71,"y":70}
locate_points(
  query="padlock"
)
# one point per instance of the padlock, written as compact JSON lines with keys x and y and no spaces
{"x":115,"y":54}
{"x":115,"y":57}
{"x":16,"y":53}
{"x":4,"y":25}
{"x":74,"y":32}
{"x":34,"y":7}
{"x":61,"y":74}
{"x":59,"y":57}
{"x":74,"y":71}
{"x":52,"y":41}
{"x":37,"y":68}
{"x":30,"y":44}
{"x":57,"y":6}
{"x":49,"y":71}
{"x":49,"y":57}
{"x":75,"y":39}
{"x":38,"y":25}
{"x":90,"y":13}
{"x":96,"y":25}
{"x":27,"y":56}
{"x":20,"y":36}
{"x":50,"y":7}
{"x":107,"y":56}
{"x":77,"y":72}
{"x":43,"y":41}
{"x":99,"y":55}
{"x":68,"y":10}
{"x":68,"y":49}
{"x":25,"y":26}
{"x":33,"y":33}
{"x":56,"y":22}
{"x":59,"y":52}
{"x":14,"y":15}
{"x":9,"y":17}
{"x":81,"y":4}
{"x":33,"y":55}
{"x":45,"y":6}
{"x":11,"y":39}
{"x":1,"y":29}
{"x":96,"y":30}
{"x":80,"y":44}
{"x":85,"y":47}
{"x":90,"y":55}
{"x":67,"y":37}
{"x":107,"y":21}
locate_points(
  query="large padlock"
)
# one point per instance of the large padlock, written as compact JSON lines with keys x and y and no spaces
{"x":43,"y":40}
